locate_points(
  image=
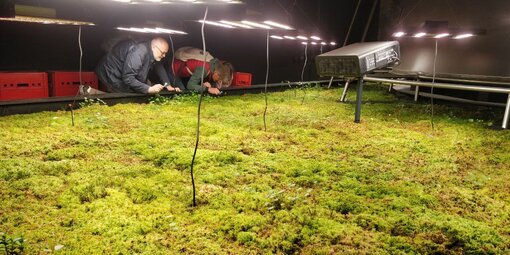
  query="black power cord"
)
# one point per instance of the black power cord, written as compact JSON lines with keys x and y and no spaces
{"x":432,"y":89}
{"x":303,"y":73}
{"x":267,"y":76}
{"x":198,"y":112}
{"x":71,"y":106}
{"x":173,"y":59}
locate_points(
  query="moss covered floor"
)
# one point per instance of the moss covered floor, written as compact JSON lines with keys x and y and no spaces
{"x":118,"y":182}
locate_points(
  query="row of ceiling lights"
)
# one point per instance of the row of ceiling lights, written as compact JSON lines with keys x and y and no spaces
{"x":429,"y":35}
{"x":315,"y":40}
{"x":268,"y":25}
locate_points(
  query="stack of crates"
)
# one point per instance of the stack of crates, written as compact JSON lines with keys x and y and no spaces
{"x":241,"y":80}
{"x":31,"y":85}
{"x":68,"y":83}
{"x":16,"y":86}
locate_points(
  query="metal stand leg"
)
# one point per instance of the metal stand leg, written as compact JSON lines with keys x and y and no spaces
{"x":330,"y":82}
{"x":416,"y":92}
{"x":391,"y":87}
{"x":357,"y":114}
{"x":344,"y":92}
{"x":507,"y":112}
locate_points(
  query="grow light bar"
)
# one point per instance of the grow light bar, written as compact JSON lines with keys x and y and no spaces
{"x":255,"y":24}
{"x":437,"y":35}
{"x":48,"y":21}
{"x":462,"y":36}
{"x":236,"y":24}
{"x":290,"y":37}
{"x":214,"y":23}
{"x":399,"y":34}
{"x":277,"y":37}
{"x":315,"y":38}
{"x":442,"y":35}
{"x":304,"y":38}
{"x":419,"y":35}
{"x":332,"y":43}
{"x":157,"y":30}
{"x":278,"y":25}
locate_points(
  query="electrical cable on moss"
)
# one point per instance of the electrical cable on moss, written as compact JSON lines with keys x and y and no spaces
{"x":198,"y":112}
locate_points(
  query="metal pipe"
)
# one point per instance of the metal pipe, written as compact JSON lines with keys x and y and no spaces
{"x":330,"y":82}
{"x":344,"y":93}
{"x":357,"y":114}
{"x":441,"y":85}
{"x":467,"y":81}
{"x":507,"y":112}
{"x":416,"y":92}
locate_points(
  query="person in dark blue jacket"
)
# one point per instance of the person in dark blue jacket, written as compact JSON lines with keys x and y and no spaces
{"x":126,"y":66}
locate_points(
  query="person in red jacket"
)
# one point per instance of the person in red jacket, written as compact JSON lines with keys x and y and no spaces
{"x":188,"y":65}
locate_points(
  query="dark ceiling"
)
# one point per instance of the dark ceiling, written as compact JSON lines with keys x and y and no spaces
{"x":26,"y":46}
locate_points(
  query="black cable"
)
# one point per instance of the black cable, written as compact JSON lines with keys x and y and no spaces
{"x":302,"y":74}
{"x":432,"y":89}
{"x":199,"y":107}
{"x":401,"y":21}
{"x":80,"y":73}
{"x":267,"y":76}
{"x":352,"y":22}
{"x":173,"y":59}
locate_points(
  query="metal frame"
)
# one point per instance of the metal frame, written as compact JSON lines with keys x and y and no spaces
{"x":443,"y":86}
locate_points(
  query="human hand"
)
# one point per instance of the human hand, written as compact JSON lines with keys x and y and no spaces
{"x":155,"y":89}
{"x":207,"y":85}
{"x":214,"y":91}
{"x":176,"y":89}
{"x":170,"y":88}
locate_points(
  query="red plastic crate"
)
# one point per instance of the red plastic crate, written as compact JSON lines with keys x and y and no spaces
{"x":68,"y":83}
{"x":241,"y":79}
{"x":15,"y":86}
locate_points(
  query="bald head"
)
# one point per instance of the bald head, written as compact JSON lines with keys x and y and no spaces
{"x":159,"y":48}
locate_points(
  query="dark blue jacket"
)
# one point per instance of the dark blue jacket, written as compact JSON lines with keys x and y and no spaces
{"x":126,"y":66}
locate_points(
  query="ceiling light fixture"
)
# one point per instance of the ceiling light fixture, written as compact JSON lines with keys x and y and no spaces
{"x":278,"y":25}
{"x":277,"y":37}
{"x":214,"y":23}
{"x":290,"y":37}
{"x":157,"y":30}
{"x":48,"y":21}
{"x":304,"y":38}
{"x":170,"y":31}
{"x":442,"y":35}
{"x":462,"y":36}
{"x":236,"y":24}
{"x":315,"y":38}
{"x":399,"y":34}
{"x":419,"y":35}
{"x":255,"y":24}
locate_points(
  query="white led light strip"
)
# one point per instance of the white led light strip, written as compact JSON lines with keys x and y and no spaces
{"x":157,"y":30}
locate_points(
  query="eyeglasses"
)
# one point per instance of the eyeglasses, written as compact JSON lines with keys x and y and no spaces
{"x":163,"y":54}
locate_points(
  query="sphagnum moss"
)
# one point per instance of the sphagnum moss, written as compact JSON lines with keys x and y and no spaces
{"x":314,"y":183}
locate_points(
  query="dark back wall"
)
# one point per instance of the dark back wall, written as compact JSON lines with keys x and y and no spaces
{"x":480,"y":55}
{"x":28,"y":47}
